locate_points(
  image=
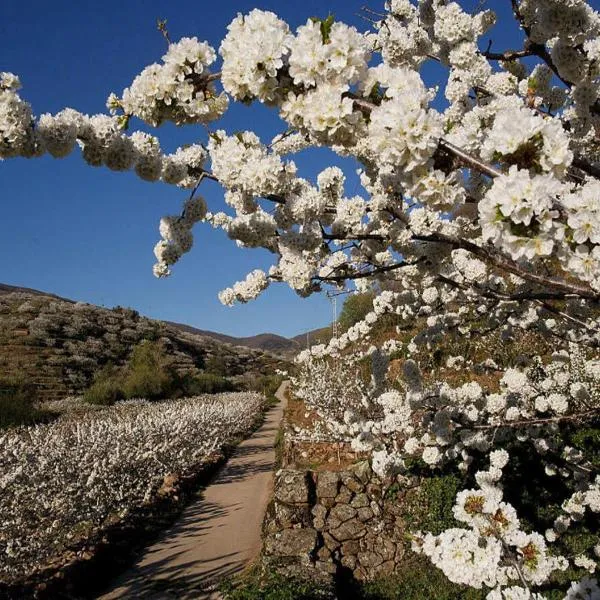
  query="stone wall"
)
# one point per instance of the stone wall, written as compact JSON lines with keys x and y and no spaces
{"x":329,"y":521}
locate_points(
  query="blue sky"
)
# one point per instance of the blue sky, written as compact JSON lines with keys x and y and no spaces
{"x":88,"y":233}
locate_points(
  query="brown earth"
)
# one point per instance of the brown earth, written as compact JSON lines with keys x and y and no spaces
{"x":218,"y":535}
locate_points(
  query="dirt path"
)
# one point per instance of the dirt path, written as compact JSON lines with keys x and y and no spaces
{"x":218,"y":534}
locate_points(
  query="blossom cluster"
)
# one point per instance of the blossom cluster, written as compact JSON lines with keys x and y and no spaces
{"x":495,"y":551}
{"x":177,"y":90}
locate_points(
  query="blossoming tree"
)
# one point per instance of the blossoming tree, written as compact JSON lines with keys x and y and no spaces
{"x":488,"y":208}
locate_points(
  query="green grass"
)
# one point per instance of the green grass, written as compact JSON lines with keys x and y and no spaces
{"x":419,"y":580}
{"x":271,"y":586}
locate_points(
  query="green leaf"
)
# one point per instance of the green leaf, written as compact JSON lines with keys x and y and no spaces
{"x":325,"y":25}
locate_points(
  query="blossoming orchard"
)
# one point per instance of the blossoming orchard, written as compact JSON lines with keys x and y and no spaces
{"x":483,"y":215}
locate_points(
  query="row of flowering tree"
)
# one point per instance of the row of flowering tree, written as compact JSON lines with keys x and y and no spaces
{"x":487,"y":209}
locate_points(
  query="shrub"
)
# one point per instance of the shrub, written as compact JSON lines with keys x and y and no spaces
{"x":206,"y":383}
{"x":356,"y":307}
{"x":149,"y":373}
{"x":17,"y":402}
{"x":107,"y":387}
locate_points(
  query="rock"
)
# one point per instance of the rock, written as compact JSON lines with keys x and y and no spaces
{"x":292,"y":542}
{"x":326,"y":566}
{"x":327,"y":502}
{"x":386,"y":568}
{"x":374,"y":491}
{"x":350,"y":530}
{"x":319,"y":511}
{"x":375,"y":508}
{"x":360,"y":501}
{"x":341,"y":513}
{"x":289,"y":515}
{"x":387,"y":549}
{"x":364,"y":514}
{"x":349,"y":562}
{"x":369,"y":560}
{"x":331,"y":543}
{"x":327,"y":484}
{"x":350,"y":547}
{"x":324,"y":553}
{"x":362,"y":470}
{"x":352,"y":483}
{"x":344,"y":496}
{"x":292,"y":487}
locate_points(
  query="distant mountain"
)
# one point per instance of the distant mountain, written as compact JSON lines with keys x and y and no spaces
{"x":267,"y":342}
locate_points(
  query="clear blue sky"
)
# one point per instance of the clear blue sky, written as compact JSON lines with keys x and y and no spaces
{"x":88,"y":233}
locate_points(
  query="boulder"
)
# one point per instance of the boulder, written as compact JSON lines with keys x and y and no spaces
{"x":350,"y":530}
{"x":290,"y":515}
{"x":360,"y":501}
{"x":364,"y":514}
{"x":352,"y":483}
{"x":331,"y":543}
{"x":341,"y":513}
{"x":292,"y":486}
{"x":369,"y":560}
{"x":344,"y":496}
{"x":292,"y":542}
{"x":362,"y":470}
{"x":327,"y":484}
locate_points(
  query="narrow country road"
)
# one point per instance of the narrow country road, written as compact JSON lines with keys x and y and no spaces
{"x":219,"y":533}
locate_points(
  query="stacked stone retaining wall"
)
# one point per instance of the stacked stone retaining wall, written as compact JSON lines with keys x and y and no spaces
{"x":326,"y":522}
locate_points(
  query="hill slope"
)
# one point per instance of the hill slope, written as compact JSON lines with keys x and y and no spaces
{"x":269,"y":342}
{"x":58,"y":344}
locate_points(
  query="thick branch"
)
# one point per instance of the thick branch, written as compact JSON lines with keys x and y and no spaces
{"x":582,"y":416}
{"x":492,"y":257}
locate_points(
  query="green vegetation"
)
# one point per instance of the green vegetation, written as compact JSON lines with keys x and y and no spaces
{"x":355,"y":309}
{"x":107,"y":387}
{"x":18,"y":402}
{"x":418,"y":580}
{"x":271,"y":586}
{"x":149,"y":374}
{"x":206,"y":383}
{"x":429,"y":507}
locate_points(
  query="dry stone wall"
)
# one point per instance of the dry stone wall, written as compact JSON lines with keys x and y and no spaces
{"x":326,"y":522}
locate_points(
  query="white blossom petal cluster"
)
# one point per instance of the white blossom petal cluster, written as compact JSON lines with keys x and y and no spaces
{"x":245,"y":290}
{"x":254,"y":50}
{"x":177,"y":90}
{"x":340,"y":59}
{"x":495,"y":551}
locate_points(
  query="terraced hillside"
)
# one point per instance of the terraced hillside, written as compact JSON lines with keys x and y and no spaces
{"x":57,"y":344}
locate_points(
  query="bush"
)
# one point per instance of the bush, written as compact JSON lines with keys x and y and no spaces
{"x":107,"y":387}
{"x":149,"y":373}
{"x":355,"y":309}
{"x":206,"y":383}
{"x":18,"y":402}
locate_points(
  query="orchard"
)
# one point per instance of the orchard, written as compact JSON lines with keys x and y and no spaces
{"x":479,"y":211}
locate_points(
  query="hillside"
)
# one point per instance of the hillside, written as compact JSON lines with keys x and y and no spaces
{"x":315,"y":336}
{"x":57,"y":344}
